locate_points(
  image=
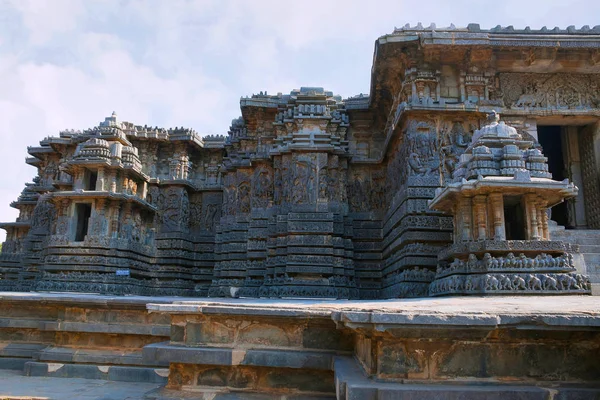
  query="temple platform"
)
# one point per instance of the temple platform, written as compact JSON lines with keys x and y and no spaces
{"x":529,"y":347}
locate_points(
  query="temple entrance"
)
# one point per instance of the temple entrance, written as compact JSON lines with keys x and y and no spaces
{"x":550,"y":138}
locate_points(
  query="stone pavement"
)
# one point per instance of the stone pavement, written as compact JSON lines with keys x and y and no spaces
{"x":13,"y":385}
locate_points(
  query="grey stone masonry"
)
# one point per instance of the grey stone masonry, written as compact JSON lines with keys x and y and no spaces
{"x":309,"y":195}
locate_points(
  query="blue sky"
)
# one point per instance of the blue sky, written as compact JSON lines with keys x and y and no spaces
{"x":69,"y":63}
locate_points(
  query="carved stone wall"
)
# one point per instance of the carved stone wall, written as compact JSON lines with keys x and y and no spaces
{"x":307,"y":194}
{"x":550,"y":91}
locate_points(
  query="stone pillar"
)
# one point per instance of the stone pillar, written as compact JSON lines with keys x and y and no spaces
{"x":98,"y":226}
{"x":100,"y":182}
{"x":532,"y":207}
{"x":467,"y":220}
{"x":545,"y":224}
{"x":497,"y":202}
{"x":78,"y":183}
{"x":143,"y":191}
{"x":125,"y":227}
{"x":479,"y":205}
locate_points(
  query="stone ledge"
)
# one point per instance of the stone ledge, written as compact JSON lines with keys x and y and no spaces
{"x":103,"y":372}
{"x":576,"y":311}
{"x":20,"y":350}
{"x":168,"y":353}
{"x":169,"y":394}
{"x":93,"y":356}
{"x":352,"y":384}
{"x":85,"y":327}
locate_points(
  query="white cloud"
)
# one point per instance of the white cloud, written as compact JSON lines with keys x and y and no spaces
{"x":44,"y":18}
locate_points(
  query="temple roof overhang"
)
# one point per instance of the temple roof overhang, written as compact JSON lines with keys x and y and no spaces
{"x":109,"y":164}
{"x":18,"y":224}
{"x":503,"y":49}
{"x":550,"y":191}
{"x":93,"y":195}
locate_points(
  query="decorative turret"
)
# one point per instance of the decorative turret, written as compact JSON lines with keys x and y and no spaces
{"x":94,"y":148}
{"x":499,"y":196}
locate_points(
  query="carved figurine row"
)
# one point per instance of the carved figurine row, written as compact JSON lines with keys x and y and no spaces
{"x":484,"y":283}
{"x":542,"y":261}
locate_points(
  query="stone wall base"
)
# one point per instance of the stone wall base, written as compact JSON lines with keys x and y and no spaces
{"x":459,"y":348}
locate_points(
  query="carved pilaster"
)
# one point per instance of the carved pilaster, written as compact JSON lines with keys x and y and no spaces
{"x":466,"y":212}
{"x":100,"y":182}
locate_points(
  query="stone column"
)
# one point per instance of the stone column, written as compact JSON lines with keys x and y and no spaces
{"x":100,"y":185}
{"x":78,"y":183}
{"x":479,"y":203}
{"x":544,"y":231}
{"x":464,"y":220}
{"x":497,"y":202}
{"x":532,"y":214}
{"x":143,"y":190}
{"x":98,"y":222}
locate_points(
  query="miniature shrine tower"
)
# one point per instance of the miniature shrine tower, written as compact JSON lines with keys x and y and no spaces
{"x":499,"y":197}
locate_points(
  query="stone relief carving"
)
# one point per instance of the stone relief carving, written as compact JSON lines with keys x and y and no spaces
{"x":262,"y":187}
{"x":210,"y":217}
{"x":196,"y":217}
{"x":510,"y":283}
{"x":454,"y":141}
{"x":421,"y":148}
{"x":44,"y":216}
{"x":550,"y":91}
{"x":243,"y":200}
{"x":360,"y":191}
{"x":303,"y":189}
{"x":175,"y":214}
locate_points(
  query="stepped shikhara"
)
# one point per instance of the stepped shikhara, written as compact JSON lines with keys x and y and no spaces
{"x":409,"y":191}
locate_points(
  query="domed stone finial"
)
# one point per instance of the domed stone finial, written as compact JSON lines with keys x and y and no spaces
{"x":493,"y":116}
{"x":114,"y":114}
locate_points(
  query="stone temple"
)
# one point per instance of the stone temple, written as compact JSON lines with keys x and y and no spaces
{"x":471,"y":168}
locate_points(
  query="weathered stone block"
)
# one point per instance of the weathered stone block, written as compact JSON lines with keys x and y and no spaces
{"x":208,"y":331}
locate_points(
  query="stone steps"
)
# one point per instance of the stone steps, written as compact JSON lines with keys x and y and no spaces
{"x":96,"y":371}
{"x":227,"y":352}
{"x":229,"y":372}
{"x":15,"y":355}
{"x":167,"y":394}
{"x":352,"y":384}
{"x":589,"y":247}
{"x":165,"y":353}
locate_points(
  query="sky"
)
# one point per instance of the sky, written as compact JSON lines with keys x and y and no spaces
{"x":67,"y":64}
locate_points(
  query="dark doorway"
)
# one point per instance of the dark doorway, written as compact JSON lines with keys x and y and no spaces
{"x":514,"y":218}
{"x":551,"y":141}
{"x":83,"y":211}
{"x":89,"y":179}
